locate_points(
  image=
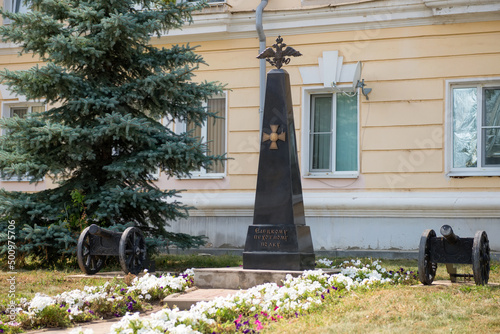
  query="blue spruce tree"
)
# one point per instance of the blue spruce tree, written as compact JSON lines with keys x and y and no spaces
{"x":108,"y":88}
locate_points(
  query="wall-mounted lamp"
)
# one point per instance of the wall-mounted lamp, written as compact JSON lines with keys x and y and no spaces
{"x":365,"y":91}
{"x":348,"y":73}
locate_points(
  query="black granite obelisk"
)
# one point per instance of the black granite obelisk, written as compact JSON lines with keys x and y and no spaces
{"x":278,"y":238}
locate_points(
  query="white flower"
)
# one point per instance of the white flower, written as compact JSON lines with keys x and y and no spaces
{"x":325,"y":262}
{"x":183,"y":329}
{"x":79,"y":330}
{"x":39,"y":302}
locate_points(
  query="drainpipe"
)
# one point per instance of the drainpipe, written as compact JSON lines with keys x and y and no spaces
{"x":262,"y":46}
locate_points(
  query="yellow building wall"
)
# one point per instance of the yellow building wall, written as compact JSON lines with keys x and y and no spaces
{"x":402,"y":125}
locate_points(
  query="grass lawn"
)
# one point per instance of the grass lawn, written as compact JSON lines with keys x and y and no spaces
{"x":405,"y":309}
{"x":459,"y":308}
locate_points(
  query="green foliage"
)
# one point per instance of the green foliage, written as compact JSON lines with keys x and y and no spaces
{"x":180,"y":263}
{"x":50,"y":316}
{"x":47,"y":245}
{"x":111,"y":88}
{"x":5,"y":329}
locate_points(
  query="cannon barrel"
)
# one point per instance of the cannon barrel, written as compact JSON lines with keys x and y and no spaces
{"x":96,"y":230}
{"x":448,"y":234}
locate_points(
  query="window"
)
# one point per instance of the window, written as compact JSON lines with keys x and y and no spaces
{"x":15,"y":6}
{"x":213,"y":133}
{"x":332,"y":138}
{"x":475,"y":129}
{"x":20,"y":110}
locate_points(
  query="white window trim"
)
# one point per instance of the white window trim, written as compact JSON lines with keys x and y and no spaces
{"x":154,"y":176}
{"x":307,"y":92}
{"x":6,"y":110}
{"x":471,"y":171}
{"x":202,"y":174}
{"x":7,"y":106}
{"x":209,"y":3}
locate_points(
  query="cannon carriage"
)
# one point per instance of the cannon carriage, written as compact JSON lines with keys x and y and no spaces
{"x":96,"y":243}
{"x":451,"y":249}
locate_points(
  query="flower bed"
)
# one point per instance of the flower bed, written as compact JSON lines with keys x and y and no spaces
{"x":109,"y":300}
{"x":246,"y":311}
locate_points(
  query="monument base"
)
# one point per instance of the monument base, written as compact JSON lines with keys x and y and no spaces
{"x":239,"y":278}
{"x":278,"y":261}
{"x":279,"y":247}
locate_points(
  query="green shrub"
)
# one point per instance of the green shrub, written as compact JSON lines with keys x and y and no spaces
{"x":54,"y":245}
{"x":48,"y":245}
{"x":50,"y":316}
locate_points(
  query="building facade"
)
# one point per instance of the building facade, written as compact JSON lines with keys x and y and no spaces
{"x":397,"y":114}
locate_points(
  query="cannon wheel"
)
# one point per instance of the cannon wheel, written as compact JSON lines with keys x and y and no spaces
{"x":89,"y":264}
{"x":481,"y":258}
{"x":426,"y":269}
{"x":132,"y":250}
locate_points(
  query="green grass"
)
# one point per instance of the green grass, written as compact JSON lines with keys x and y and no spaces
{"x":179,"y":263}
{"x":459,"y":308}
{"x":404,"y":309}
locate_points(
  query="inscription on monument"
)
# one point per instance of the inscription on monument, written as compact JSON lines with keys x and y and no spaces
{"x":271,"y":237}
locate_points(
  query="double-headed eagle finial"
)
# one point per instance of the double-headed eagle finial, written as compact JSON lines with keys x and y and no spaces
{"x":278,"y":58}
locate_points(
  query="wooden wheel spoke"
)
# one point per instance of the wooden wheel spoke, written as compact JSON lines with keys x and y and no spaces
{"x":130,"y":260}
{"x":87,"y":261}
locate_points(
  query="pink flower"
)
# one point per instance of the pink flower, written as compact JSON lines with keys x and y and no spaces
{"x":259,"y":325}
{"x":239,"y":318}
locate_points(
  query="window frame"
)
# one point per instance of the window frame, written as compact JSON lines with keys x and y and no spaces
{"x":216,"y":2}
{"x":480,"y":169}
{"x":7,"y":5}
{"x":6,"y":113}
{"x":181,"y":127}
{"x":308,"y":93}
{"x":8,"y":106}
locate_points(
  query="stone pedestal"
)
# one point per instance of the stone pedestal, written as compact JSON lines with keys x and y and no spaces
{"x":278,"y":238}
{"x":278,"y":247}
{"x":239,"y":278}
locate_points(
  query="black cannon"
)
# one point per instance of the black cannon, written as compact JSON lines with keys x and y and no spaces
{"x":451,"y":249}
{"x":95,"y":243}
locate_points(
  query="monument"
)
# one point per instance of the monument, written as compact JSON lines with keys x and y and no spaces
{"x":278,"y":238}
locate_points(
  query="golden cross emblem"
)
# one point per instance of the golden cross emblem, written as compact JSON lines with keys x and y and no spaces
{"x":274,"y":137}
